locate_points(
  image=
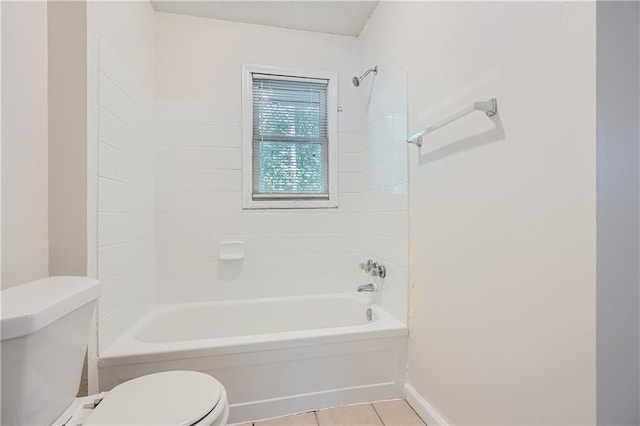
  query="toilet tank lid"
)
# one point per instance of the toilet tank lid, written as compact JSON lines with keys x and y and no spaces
{"x":29,"y":307}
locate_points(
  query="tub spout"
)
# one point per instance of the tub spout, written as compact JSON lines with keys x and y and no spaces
{"x":371,"y":287}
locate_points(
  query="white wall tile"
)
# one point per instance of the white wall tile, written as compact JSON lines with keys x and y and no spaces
{"x":199,"y":113}
{"x":397,"y":278}
{"x":175,"y":247}
{"x":351,"y":142}
{"x":185,"y":291}
{"x":387,"y":249}
{"x":176,"y":225}
{"x":199,"y":161}
{"x":390,"y":198}
{"x":198,"y":182}
{"x":256,"y":268}
{"x":255,"y":287}
{"x":176,"y":201}
{"x":389,"y":224}
{"x":300,"y":264}
{"x":188,"y":269}
{"x":119,"y":103}
{"x":294,"y":244}
{"x":274,"y":223}
{"x":258,"y":245}
{"x":349,"y":202}
{"x":383,"y":203}
{"x":117,"y":71}
{"x":116,"y":228}
{"x":349,"y":183}
{"x":199,"y":135}
{"x":350,"y":162}
{"x":394,"y":303}
{"x":122,"y":197}
{"x":107,"y":161}
{"x":107,"y":262}
{"x":350,"y":122}
{"x":198,"y":157}
{"x":198,"y":179}
{"x":135,"y":253}
{"x":218,"y":201}
{"x":126,"y":196}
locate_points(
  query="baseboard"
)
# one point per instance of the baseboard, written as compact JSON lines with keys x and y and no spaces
{"x":425,"y":410}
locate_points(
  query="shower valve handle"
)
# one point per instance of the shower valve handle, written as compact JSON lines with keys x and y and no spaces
{"x":374,"y":269}
{"x":367,"y":266}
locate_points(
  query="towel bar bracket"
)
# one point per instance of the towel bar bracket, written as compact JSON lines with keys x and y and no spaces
{"x":490,"y":107}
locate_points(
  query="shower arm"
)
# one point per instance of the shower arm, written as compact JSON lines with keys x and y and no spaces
{"x":369,"y":71}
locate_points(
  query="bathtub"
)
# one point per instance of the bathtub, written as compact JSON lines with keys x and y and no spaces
{"x":275,"y":356}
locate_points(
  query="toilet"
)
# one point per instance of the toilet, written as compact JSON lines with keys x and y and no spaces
{"x":44,"y":331}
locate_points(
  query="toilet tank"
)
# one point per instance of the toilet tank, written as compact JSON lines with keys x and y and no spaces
{"x":44,"y":332}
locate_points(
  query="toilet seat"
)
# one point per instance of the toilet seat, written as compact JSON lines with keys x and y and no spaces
{"x":168,"y":398}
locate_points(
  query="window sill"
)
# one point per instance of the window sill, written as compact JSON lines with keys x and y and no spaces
{"x":289,"y":204}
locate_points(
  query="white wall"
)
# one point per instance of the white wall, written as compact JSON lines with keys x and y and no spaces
{"x":67,"y":137}
{"x":129,"y":28}
{"x":121,"y":129}
{"x":501,"y":212}
{"x":24,"y":142}
{"x":618,"y":210}
{"x":0,"y":153}
{"x":199,"y":64}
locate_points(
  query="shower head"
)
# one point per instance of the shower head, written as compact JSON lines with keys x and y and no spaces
{"x":356,"y":80}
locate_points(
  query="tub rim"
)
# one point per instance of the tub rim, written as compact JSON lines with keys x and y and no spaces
{"x":126,"y":349}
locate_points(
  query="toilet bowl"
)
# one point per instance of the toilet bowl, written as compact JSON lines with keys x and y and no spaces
{"x":44,"y":332}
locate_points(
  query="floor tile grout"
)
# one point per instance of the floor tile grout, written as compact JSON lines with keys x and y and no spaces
{"x":377,"y":414}
{"x":387,"y":410}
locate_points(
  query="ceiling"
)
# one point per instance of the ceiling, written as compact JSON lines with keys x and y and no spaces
{"x":333,"y":17}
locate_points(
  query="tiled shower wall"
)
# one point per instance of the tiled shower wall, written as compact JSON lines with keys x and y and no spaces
{"x":199,"y":92}
{"x":199,"y":204}
{"x":382,"y":215}
{"x":287,"y":252}
{"x":126,"y":197}
{"x":167,"y":199}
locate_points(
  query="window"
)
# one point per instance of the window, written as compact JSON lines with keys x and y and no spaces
{"x":289,"y":138}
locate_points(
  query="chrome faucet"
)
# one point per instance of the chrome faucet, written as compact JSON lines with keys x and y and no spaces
{"x":371,"y":287}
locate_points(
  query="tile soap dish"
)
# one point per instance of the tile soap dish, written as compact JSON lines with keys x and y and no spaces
{"x":231,"y":250}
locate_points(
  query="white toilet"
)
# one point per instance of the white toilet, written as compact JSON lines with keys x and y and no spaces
{"x":45,"y":329}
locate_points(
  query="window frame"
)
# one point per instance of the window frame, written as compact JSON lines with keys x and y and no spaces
{"x":266,"y":202}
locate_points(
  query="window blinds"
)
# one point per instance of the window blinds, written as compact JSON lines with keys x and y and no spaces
{"x":290,"y":137}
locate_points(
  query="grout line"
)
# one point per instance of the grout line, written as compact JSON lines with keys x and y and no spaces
{"x":164,"y":122}
{"x":125,"y":91}
{"x":414,"y":411}
{"x":125,"y":153}
{"x":123,"y":120}
{"x":196,"y":168}
{"x":377,"y":414}
{"x":124,"y":182}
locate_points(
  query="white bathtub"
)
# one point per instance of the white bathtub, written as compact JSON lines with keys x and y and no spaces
{"x":274,"y":356}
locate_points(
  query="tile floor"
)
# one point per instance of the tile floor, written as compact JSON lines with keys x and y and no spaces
{"x":382,"y":413}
